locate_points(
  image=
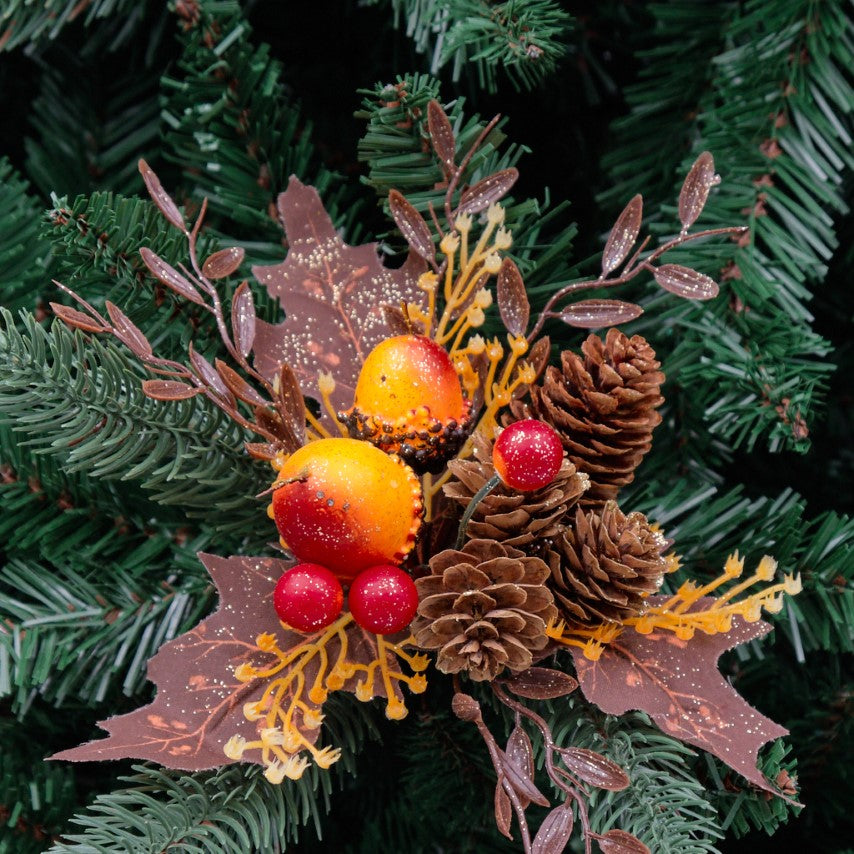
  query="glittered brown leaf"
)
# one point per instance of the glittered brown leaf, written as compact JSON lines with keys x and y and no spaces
{"x":623,"y":235}
{"x":520,"y":752}
{"x":512,"y":298}
{"x":685,"y":282}
{"x":169,"y":276}
{"x":596,"y":313}
{"x":200,"y":703}
{"x":169,"y":390}
{"x":223,"y":263}
{"x":442,"y":136}
{"x":594,"y":768}
{"x":540,"y":683}
{"x":695,"y":189}
{"x":332,"y":295}
{"x":619,"y":842}
{"x":411,"y":225}
{"x":554,"y":832}
{"x":677,"y":683}
{"x":481,"y":195}
{"x":503,"y":811}
{"x":160,"y":197}
{"x":76,"y":318}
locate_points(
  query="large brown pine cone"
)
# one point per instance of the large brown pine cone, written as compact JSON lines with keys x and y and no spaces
{"x":605,"y":564}
{"x":603,"y":406}
{"x":484,"y":608}
{"x":526,"y":520}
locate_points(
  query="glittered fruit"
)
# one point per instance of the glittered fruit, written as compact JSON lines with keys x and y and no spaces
{"x":347,"y":506}
{"x":409,"y":401}
{"x":527,"y":455}
{"x":308,"y":597}
{"x":383,"y":600}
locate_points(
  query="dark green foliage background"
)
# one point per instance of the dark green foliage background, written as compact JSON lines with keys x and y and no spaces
{"x":105,"y":497}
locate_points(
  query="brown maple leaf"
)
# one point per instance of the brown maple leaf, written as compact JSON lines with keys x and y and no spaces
{"x":333,"y":296}
{"x":200,"y":703}
{"x":677,"y":683}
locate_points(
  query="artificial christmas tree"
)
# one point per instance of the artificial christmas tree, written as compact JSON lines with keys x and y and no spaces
{"x":114,"y":478}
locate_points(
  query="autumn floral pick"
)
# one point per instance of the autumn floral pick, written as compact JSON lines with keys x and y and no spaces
{"x":387,"y":413}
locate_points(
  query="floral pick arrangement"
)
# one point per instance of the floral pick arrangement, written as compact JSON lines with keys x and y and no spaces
{"x":447,"y":503}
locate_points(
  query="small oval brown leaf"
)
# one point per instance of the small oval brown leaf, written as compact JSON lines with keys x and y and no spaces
{"x":513,"y":305}
{"x":261,"y":450}
{"x":76,"y":318}
{"x":503,"y":811}
{"x":411,"y":225}
{"x":554,"y":832}
{"x":442,"y":136}
{"x":291,"y":403}
{"x":128,"y":332}
{"x":160,"y":197}
{"x":238,"y":386}
{"x":596,"y":313}
{"x":208,"y":375}
{"x":521,"y":753}
{"x":685,"y":282}
{"x":623,"y":235}
{"x":523,"y":785}
{"x":243,"y":319}
{"x":166,"y":273}
{"x":594,"y":768}
{"x":465,"y":707}
{"x":223,"y":263}
{"x":540,"y":683}
{"x":620,"y":842}
{"x":490,"y":189}
{"x":695,"y":189}
{"x":169,"y":390}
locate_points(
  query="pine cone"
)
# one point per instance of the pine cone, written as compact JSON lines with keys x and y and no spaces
{"x":525,"y":520}
{"x":603,"y":407}
{"x":484,"y":608}
{"x":604,"y":564}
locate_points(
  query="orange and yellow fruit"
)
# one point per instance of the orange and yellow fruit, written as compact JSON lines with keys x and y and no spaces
{"x":409,"y":402}
{"x":347,"y":506}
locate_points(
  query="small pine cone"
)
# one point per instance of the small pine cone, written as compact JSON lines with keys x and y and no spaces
{"x":605,"y":564}
{"x":603,"y":407}
{"x":525,"y":520}
{"x":484,"y":608}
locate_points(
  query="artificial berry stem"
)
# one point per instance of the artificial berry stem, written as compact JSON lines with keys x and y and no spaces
{"x":476,"y":499}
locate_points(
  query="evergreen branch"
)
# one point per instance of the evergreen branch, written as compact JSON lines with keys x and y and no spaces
{"x":779,"y":127}
{"x":675,"y":50}
{"x":23,"y":23}
{"x":95,"y":243}
{"x":523,"y":39}
{"x":665,"y":805}
{"x":36,"y":798}
{"x":68,"y":636}
{"x":230,"y":811}
{"x":226,"y":91}
{"x":91,"y":130}
{"x":22,"y":252}
{"x":83,"y":405}
{"x":398,"y":155}
{"x":706,"y":527}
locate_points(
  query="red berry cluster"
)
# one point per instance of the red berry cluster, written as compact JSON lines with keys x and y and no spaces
{"x":382,"y":599}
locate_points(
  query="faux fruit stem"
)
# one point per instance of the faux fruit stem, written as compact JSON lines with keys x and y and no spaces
{"x":472,"y":506}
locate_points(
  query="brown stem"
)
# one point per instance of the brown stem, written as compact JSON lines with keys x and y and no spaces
{"x":458,"y":174}
{"x":548,"y":743}
{"x":629,"y":272}
{"x":217,"y":310}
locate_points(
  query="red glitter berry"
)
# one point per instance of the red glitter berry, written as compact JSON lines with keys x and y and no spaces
{"x":527,"y":455}
{"x":308,"y":597}
{"x":383,"y":599}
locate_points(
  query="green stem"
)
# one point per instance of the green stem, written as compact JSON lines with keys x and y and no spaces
{"x":478,"y":497}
